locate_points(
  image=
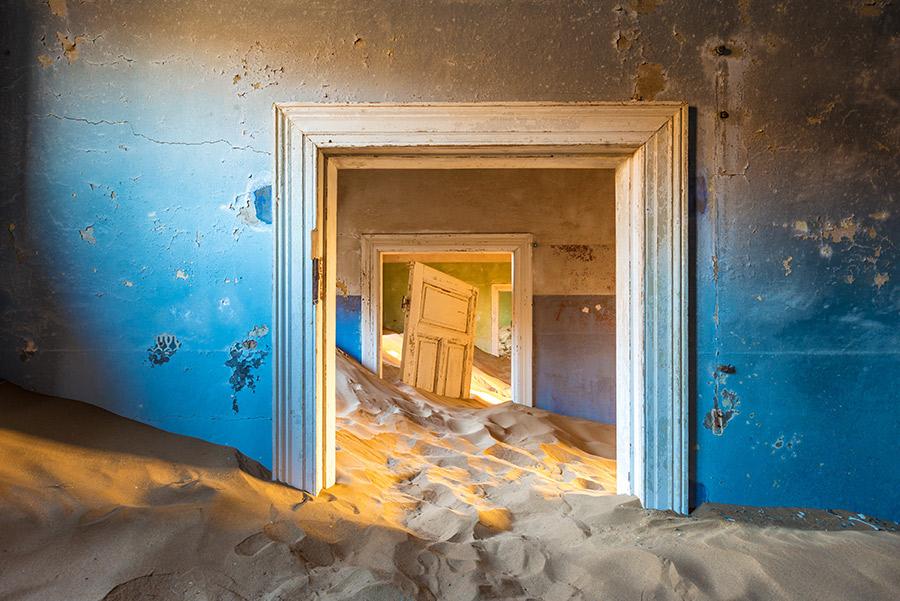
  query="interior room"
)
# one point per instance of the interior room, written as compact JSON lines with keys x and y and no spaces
{"x":455,"y":300}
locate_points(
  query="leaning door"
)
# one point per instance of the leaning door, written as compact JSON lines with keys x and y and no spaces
{"x":439,"y":336}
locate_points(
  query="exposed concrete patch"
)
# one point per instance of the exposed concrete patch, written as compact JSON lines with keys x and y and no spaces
{"x":70,"y":45}
{"x":253,"y":208}
{"x":27,"y":350}
{"x":181,"y":274}
{"x":649,"y":81}
{"x":87,"y":234}
{"x":163,"y":349}
{"x":787,"y":266}
{"x":259,"y":331}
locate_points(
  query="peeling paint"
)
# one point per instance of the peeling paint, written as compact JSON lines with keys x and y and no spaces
{"x":70,"y":46}
{"x":27,"y":350}
{"x":787,"y":266}
{"x":726,"y":403}
{"x":244,"y":359}
{"x":856,"y":246}
{"x":253,"y":208}
{"x":181,"y":274}
{"x":649,"y":81}
{"x":259,"y":331}
{"x":87,"y":234}
{"x":163,"y":349}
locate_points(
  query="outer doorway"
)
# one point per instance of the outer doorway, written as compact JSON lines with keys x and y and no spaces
{"x":645,"y":143}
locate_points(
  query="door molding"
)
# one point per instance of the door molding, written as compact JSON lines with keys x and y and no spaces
{"x":496,"y":289}
{"x":374,"y":246}
{"x":647,"y":145}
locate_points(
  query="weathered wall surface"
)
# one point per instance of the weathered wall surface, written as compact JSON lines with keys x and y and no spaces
{"x":571,"y":214}
{"x":137,"y":141}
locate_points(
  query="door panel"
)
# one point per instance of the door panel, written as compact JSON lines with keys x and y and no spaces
{"x":439,"y":335}
{"x":426,"y":364}
{"x":455,"y":370}
{"x":445,"y":309}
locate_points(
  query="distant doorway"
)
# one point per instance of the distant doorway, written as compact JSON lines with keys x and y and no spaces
{"x":385,"y":271}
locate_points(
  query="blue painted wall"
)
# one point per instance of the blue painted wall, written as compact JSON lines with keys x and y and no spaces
{"x":136,"y":141}
{"x":348,"y":325}
{"x":575,"y":355}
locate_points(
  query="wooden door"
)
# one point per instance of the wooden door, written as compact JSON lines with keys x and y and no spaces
{"x":439,"y":335}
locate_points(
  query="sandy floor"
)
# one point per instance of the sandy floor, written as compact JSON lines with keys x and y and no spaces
{"x":434,"y":501}
{"x":490,"y":374}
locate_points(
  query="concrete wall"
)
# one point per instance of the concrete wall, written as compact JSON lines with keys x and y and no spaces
{"x":137,"y":138}
{"x":570,"y":212}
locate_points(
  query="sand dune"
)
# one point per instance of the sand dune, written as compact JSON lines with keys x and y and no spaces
{"x":434,"y":500}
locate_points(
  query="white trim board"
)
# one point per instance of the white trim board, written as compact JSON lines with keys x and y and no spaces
{"x":374,"y":246}
{"x":645,"y":142}
{"x":496,"y":289}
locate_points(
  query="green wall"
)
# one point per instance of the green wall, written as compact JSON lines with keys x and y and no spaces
{"x":395,"y":280}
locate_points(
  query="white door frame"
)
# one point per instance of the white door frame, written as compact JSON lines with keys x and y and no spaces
{"x":374,"y":246}
{"x":647,"y":145}
{"x":496,"y":289}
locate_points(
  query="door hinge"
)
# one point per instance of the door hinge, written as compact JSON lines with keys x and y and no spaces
{"x":316,"y":275}
{"x":404,"y":303}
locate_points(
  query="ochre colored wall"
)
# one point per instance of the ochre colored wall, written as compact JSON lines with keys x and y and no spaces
{"x":137,"y":152}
